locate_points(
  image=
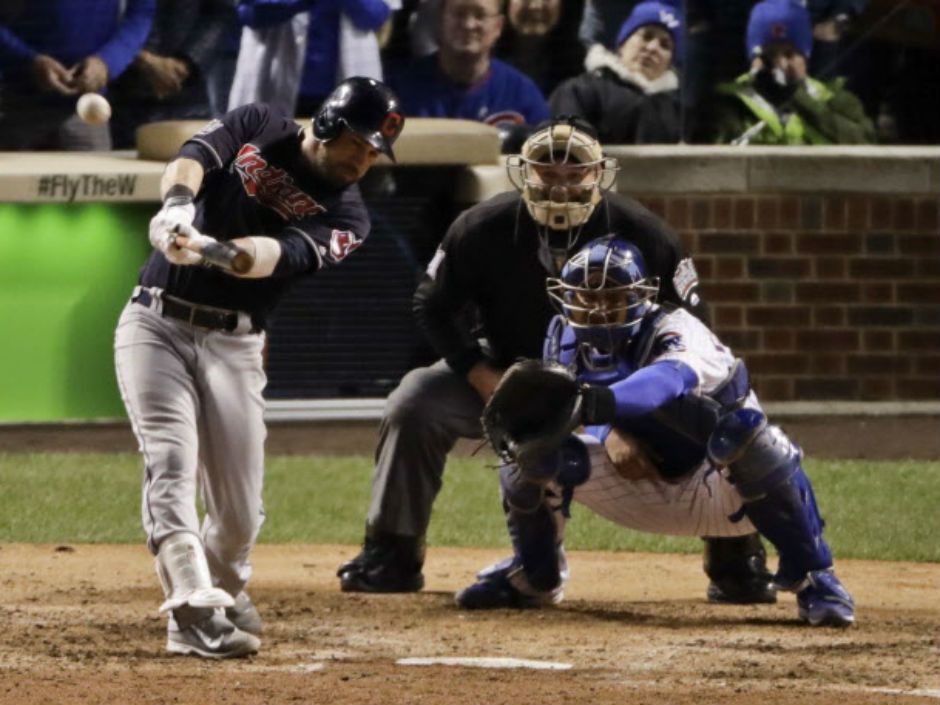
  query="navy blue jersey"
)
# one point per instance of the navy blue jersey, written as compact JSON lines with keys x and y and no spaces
{"x":258,"y":182}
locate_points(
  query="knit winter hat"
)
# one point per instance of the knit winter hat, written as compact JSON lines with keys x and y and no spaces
{"x":663,"y":14}
{"x":779,"y":21}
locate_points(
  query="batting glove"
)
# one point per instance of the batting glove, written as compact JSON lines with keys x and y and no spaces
{"x":186,"y":255}
{"x":176,"y":214}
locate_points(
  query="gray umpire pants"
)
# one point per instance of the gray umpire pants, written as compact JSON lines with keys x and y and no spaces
{"x":424,"y":416}
{"x":194,"y":400}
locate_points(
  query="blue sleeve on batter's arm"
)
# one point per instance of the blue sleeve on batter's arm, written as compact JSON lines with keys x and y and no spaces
{"x":129,"y":38}
{"x":650,"y":387}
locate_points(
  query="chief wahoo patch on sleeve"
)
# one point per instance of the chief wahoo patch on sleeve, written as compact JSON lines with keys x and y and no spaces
{"x":342,"y":243}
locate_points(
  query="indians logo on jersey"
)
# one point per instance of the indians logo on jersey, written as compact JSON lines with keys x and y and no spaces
{"x":342,"y":243}
{"x":273,"y":187}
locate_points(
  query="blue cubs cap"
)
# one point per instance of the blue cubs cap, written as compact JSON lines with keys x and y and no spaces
{"x":775,"y":21}
{"x":664,"y":14}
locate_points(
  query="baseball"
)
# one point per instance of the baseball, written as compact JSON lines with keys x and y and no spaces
{"x":93,"y":108}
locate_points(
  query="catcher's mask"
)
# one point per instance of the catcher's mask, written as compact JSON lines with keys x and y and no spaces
{"x":561,"y":173}
{"x":603,"y":292}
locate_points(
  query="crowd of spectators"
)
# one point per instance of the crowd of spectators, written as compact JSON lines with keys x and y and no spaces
{"x":642,"y":72}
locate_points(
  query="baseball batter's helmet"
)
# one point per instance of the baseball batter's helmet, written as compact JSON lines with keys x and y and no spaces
{"x":367,"y":107}
{"x":604,"y":292}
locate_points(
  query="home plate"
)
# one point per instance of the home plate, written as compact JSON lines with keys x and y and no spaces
{"x":484,"y":662}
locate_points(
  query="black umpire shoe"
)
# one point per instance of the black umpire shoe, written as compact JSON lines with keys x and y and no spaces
{"x":387,"y":563}
{"x":737,"y":568}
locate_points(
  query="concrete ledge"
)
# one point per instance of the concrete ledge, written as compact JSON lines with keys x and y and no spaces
{"x":424,"y":141}
{"x":99,"y":177}
{"x":703,"y":169}
{"x":698,"y":169}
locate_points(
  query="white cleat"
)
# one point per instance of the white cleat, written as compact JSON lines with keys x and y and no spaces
{"x":244,"y":615}
{"x":213,"y":636}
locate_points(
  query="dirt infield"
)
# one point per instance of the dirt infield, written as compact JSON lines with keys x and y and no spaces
{"x":80,"y":624}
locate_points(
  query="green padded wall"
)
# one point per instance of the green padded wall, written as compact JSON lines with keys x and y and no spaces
{"x":65,"y":273}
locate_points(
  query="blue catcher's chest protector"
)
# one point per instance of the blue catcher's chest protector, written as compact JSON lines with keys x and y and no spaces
{"x":676,"y":434}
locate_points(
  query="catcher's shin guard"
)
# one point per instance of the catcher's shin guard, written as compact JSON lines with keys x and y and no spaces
{"x":765,"y":467}
{"x":184,"y":574}
{"x":536,"y":513}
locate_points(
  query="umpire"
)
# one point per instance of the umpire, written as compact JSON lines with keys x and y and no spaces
{"x":482,"y":304}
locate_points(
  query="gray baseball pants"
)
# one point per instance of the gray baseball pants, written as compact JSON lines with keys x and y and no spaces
{"x":424,"y":416}
{"x":194,"y":400}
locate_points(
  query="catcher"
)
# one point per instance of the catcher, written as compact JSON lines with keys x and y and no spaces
{"x":675,"y":441}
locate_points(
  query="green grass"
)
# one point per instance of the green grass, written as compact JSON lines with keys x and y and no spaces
{"x":877,"y":510}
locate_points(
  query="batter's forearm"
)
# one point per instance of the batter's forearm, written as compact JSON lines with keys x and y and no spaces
{"x":182,"y":172}
{"x":265,"y":253}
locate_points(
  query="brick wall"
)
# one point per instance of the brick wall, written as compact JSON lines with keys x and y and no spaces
{"x":832,"y":297}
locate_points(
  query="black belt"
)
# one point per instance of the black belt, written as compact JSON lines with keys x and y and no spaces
{"x":211,"y":318}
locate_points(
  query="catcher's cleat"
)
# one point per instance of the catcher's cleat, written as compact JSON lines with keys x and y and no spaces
{"x":824,"y":602}
{"x":244,"y":615}
{"x":494,"y":590}
{"x":207,"y":633}
{"x":387,"y":563}
{"x":738,"y":571}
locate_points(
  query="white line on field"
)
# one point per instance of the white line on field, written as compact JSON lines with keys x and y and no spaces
{"x":483,"y":662}
{"x":923,"y":693}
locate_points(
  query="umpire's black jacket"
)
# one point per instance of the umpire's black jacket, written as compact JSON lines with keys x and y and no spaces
{"x":487,"y":279}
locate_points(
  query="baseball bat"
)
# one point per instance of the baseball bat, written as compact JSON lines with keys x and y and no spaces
{"x":221,"y":254}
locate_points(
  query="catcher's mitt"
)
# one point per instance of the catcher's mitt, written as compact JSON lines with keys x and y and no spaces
{"x":535,"y":407}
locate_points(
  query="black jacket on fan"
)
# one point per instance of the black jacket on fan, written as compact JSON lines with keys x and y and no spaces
{"x":624,"y":108}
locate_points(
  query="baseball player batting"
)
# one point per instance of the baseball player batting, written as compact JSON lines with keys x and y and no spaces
{"x":279,"y":202}
{"x":675,"y":443}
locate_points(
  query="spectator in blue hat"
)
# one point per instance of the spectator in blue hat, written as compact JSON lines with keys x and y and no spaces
{"x":631,"y":96}
{"x":777,"y":101}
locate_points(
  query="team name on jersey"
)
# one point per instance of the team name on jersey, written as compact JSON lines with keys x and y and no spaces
{"x":273,"y":187}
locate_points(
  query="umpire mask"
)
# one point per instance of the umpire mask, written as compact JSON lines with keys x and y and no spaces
{"x":561,"y":173}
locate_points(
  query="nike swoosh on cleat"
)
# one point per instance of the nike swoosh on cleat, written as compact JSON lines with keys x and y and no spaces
{"x":211,"y":643}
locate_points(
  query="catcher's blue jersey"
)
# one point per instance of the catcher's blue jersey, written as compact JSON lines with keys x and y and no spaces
{"x":676,"y":433}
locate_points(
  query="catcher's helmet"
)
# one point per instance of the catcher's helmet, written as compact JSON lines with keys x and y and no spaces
{"x":604,"y":292}
{"x":367,"y":107}
{"x":561,"y":173}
